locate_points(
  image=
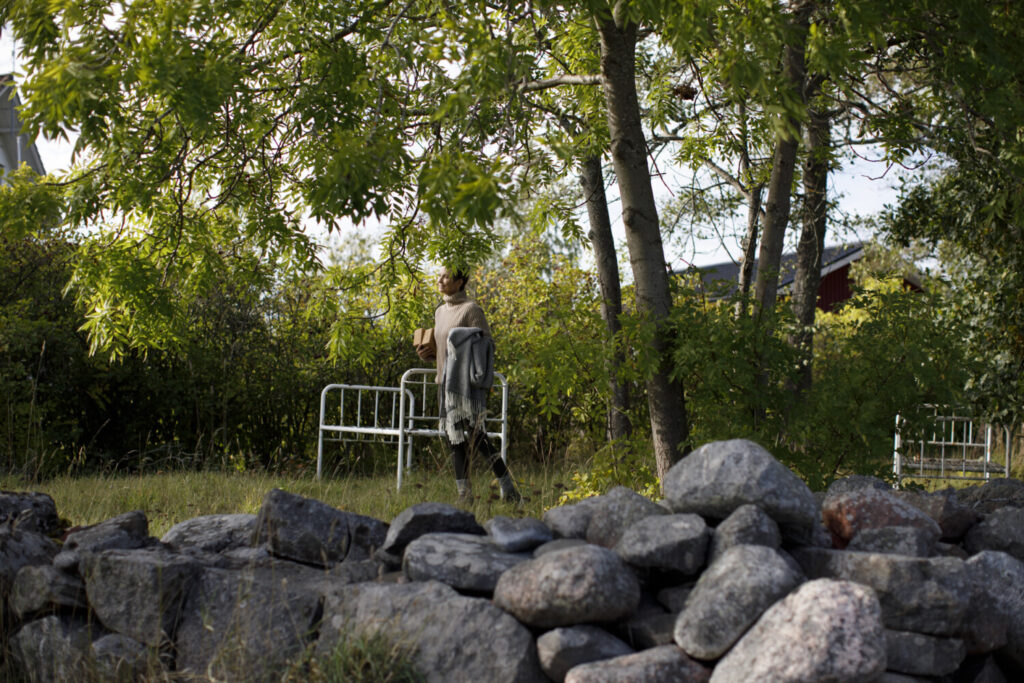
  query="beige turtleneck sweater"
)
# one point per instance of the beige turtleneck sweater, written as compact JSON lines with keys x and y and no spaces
{"x":458,"y":310}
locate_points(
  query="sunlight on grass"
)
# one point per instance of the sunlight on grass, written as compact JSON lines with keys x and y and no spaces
{"x":171,"y":497}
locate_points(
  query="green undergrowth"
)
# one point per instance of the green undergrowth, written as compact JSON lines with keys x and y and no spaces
{"x":358,"y":658}
{"x":171,"y":497}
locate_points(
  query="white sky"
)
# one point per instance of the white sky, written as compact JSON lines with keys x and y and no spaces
{"x":857,"y":185}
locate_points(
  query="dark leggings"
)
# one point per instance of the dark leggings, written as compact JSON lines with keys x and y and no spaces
{"x":476,"y":443}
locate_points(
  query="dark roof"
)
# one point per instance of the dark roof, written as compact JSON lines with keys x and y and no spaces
{"x":10,"y":125}
{"x":721,"y":279}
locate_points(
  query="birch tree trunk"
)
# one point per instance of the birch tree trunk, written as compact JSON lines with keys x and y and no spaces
{"x":669,"y":424}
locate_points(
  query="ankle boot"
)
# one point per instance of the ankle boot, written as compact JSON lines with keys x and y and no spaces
{"x":509,"y":492}
{"x":465,"y":489}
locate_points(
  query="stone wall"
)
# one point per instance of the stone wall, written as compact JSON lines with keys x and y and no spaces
{"x":740,"y":574}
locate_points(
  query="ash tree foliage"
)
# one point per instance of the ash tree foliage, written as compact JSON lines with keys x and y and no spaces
{"x":211,"y":136}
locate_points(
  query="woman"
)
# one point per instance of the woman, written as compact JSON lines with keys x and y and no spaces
{"x":459,"y":311}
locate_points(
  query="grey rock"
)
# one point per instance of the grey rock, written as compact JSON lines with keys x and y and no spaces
{"x":245,"y":625}
{"x":823,"y":631}
{"x":950,"y":550}
{"x":54,"y":648}
{"x":556,"y":545}
{"x":893,"y":677}
{"x":310,"y":531}
{"x":921,"y":655}
{"x":894,"y":540}
{"x":674,"y":597}
{"x":997,"y":581}
{"x":953,"y":517}
{"x":993,"y":495}
{"x":212,"y":533}
{"x":39,"y":588}
{"x":665,"y":664}
{"x":121,"y":659}
{"x":21,"y":548}
{"x":747,"y":525}
{"x":988,"y":672}
{"x":615,"y":511}
{"x":721,"y":476}
{"x":1002,"y":530}
{"x":516,"y":535}
{"x":563,"y":648}
{"x":856,"y":482}
{"x":463,"y":561}
{"x":645,"y":631}
{"x":847,"y":514}
{"x":926,"y":595}
{"x":138,"y":593}
{"x":29,"y":512}
{"x":577,"y":585}
{"x":357,"y":571}
{"x":671,"y":542}
{"x":730,"y":596}
{"x":571,"y":521}
{"x":425,"y":518}
{"x":124,"y":532}
{"x":450,"y":637}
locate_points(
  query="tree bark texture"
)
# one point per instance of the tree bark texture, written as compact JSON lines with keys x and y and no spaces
{"x":749,"y":247}
{"x":592,"y":181}
{"x":780,"y":184}
{"x":669,"y":424}
{"x":812,"y":240}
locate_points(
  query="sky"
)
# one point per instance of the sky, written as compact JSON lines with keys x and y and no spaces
{"x":861,"y":186}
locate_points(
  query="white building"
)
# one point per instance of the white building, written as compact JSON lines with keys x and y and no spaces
{"x":15,"y":149}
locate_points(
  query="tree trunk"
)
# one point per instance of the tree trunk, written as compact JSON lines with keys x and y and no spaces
{"x":669,"y":424}
{"x":592,"y":180}
{"x":749,"y":248}
{"x":780,"y":183}
{"x":812,"y":241}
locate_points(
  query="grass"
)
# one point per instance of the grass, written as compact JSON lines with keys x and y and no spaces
{"x":174,"y":496}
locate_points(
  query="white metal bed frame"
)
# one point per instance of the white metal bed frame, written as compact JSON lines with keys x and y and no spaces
{"x":403,"y":419}
{"x":955,"y":446}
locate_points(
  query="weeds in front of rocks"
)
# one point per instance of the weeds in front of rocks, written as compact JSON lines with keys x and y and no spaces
{"x":358,"y":658}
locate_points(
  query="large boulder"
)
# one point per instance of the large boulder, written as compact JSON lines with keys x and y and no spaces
{"x":670,"y":542}
{"x":211,"y":533}
{"x":516,"y":535}
{"x":997,"y":580}
{"x":721,"y":476}
{"x":116,"y":658}
{"x":921,"y":655}
{"x":563,"y":648}
{"x":747,"y":525}
{"x":926,"y":595}
{"x":425,"y":518}
{"x":30,"y":512}
{"x":138,"y":593}
{"x":313,"y":532}
{"x":246,"y":625}
{"x":730,"y":596}
{"x":124,"y":532}
{"x":463,"y":561}
{"x":993,"y":495}
{"x":449,"y":637}
{"x":54,"y":649}
{"x":952,"y":516}
{"x":849,"y":513}
{"x":573,"y":586}
{"x":1002,"y":530}
{"x":823,"y":631}
{"x":40,"y":588}
{"x":572,"y":520}
{"x":20,"y":548}
{"x":615,"y":511}
{"x":855,"y":482}
{"x":666,"y":664}
{"x":894,"y":540}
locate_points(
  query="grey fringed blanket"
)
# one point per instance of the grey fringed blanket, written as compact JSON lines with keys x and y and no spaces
{"x":468,"y":376}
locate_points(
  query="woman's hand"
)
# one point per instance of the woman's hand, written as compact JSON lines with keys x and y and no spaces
{"x":425,"y":352}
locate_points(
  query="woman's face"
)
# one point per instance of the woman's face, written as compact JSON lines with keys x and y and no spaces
{"x":447,"y":285}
